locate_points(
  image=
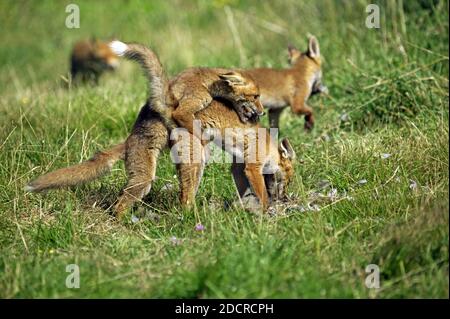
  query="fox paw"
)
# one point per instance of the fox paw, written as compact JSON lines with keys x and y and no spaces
{"x":248,"y":112}
{"x":309,"y":125}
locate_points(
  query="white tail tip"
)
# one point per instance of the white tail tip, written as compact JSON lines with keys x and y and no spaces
{"x":118,"y":47}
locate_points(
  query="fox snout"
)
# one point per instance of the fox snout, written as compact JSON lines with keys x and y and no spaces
{"x":259,"y":108}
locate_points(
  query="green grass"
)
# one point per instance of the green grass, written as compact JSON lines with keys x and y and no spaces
{"x":388,"y":95}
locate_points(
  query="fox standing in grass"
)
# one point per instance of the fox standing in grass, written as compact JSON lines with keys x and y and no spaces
{"x":90,"y":59}
{"x":150,"y":135}
{"x":293,"y":86}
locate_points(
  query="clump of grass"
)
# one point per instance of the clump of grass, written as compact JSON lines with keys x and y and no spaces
{"x":415,"y":246}
{"x":395,"y":96}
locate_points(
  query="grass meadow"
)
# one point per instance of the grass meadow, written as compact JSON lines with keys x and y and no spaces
{"x":371,"y":183}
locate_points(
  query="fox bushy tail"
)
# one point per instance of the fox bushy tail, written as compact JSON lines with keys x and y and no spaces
{"x":103,"y":161}
{"x":100,"y":164}
{"x":153,"y":70}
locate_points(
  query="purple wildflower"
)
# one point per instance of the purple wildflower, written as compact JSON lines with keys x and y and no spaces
{"x":199,"y":227}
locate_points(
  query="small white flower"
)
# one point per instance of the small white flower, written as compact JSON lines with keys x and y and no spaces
{"x":385,"y":155}
{"x":325,"y":137}
{"x":175,"y":241}
{"x":134,"y":219}
{"x":344,"y":117}
{"x":332,"y":194}
{"x":362,"y":181}
{"x":314,"y":207}
{"x":167,"y":187}
{"x":412,"y":185}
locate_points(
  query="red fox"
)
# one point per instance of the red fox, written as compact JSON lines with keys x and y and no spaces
{"x":293,"y":86}
{"x":150,"y":135}
{"x":91,"y":58}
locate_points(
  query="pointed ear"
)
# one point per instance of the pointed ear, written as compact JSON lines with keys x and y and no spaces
{"x":294,"y":53}
{"x":286,"y":149}
{"x":233,"y":78}
{"x":313,"y":48}
{"x":292,"y":49}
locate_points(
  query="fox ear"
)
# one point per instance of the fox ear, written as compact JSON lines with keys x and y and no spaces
{"x":286,"y":149}
{"x":233,"y":78}
{"x":294,"y":53}
{"x":313,"y":48}
{"x":292,"y":49}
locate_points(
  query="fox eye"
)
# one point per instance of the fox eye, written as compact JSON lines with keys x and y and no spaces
{"x":254,"y":97}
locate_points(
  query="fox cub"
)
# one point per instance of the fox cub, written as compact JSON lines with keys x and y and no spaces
{"x":193,"y":89}
{"x":90,"y":58}
{"x":150,"y":135}
{"x":293,"y":86}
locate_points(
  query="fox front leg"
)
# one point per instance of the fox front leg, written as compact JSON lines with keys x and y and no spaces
{"x":247,"y":198}
{"x":185,"y":112}
{"x":257,"y":183}
{"x":190,"y":172}
{"x":274,"y":117}
{"x":299,"y":106}
{"x":248,"y":111}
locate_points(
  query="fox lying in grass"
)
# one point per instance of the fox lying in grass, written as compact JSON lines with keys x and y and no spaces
{"x":150,"y":135}
{"x":90,"y":59}
{"x":293,"y":86}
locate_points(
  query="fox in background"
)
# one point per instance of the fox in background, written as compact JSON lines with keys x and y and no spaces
{"x":90,"y":59}
{"x":292,"y":86}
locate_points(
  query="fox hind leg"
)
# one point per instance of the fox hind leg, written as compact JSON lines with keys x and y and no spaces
{"x":141,"y":173}
{"x":299,"y":106}
{"x":143,"y":147}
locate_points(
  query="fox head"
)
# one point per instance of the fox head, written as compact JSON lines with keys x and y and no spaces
{"x":103,"y":56}
{"x":277,"y":183}
{"x":310,"y":63}
{"x":241,"y":89}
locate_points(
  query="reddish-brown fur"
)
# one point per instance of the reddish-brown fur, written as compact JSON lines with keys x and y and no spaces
{"x":150,"y":136}
{"x":292,"y":86}
{"x":90,"y":59}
